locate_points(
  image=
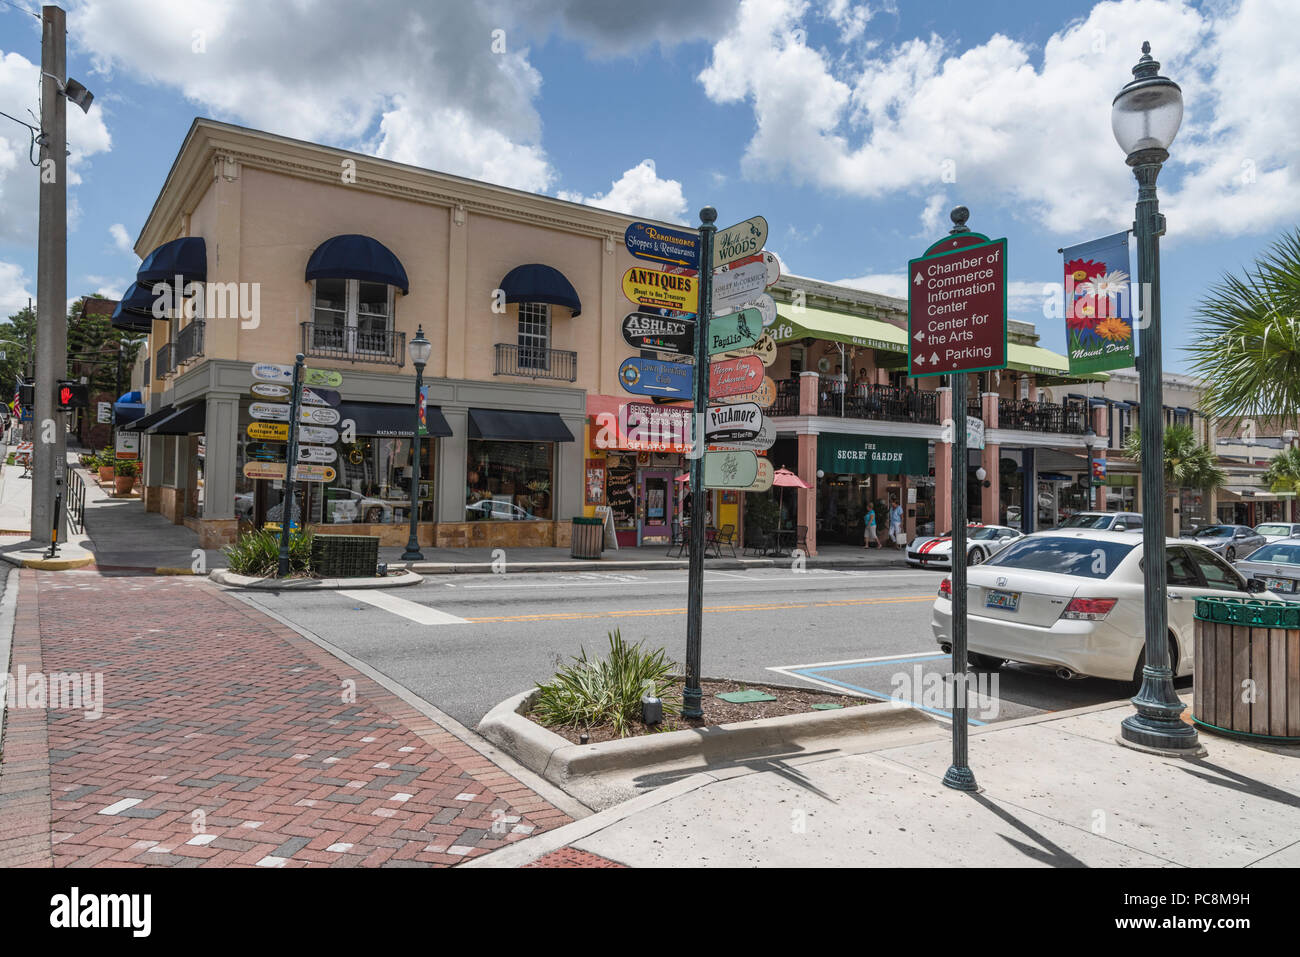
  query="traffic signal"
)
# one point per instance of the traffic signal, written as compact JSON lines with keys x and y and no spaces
{"x":72,"y":395}
{"x":27,"y":395}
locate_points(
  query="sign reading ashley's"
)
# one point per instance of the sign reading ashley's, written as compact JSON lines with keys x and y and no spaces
{"x":957,"y":308}
{"x":733,"y":423}
{"x":660,"y":245}
{"x":666,"y":290}
{"x":738,"y":241}
{"x":645,"y":330}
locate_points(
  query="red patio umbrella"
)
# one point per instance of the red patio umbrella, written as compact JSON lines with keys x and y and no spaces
{"x":787,"y":479}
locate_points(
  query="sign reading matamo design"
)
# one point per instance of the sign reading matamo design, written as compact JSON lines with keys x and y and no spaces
{"x":872,"y":455}
{"x":651,"y":287}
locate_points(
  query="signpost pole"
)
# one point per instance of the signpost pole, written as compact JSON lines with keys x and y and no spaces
{"x":692,"y":693}
{"x":286,"y":507}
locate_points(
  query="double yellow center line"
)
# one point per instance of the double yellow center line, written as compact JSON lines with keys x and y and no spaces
{"x":651,"y":612}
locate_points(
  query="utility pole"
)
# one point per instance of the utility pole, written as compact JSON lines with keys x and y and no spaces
{"x":49,"y":455}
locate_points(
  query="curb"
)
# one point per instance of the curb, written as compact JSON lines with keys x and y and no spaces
{"x":558,"y":760}
{"x":229,"y":579}
{"x":671,"y":564}
{"x":48,"y":564}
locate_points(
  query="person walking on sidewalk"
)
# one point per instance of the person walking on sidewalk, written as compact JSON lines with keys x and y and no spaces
{"x":869,"y":539}
{"x":896,"y":523}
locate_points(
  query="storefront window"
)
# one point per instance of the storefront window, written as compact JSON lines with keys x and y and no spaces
{"x":373,"y":483}
{"x":508,"y":480}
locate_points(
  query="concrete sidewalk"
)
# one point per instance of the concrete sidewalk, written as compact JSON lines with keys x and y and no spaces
{"x":1056,"y":791}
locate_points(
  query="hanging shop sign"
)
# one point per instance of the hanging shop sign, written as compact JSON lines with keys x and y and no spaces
{"x":652,"y":287}
{"x":733,"y":469}
{"x":319,"y":395}
{"x":655,"y":377}
{"x":316,"y":434}
{"x":326,"y":377}
{"x":1099,"y":305}
{"x":764,"y":348}
{"x":318,"y":415}
{"x":646,"y":330}
{"x":765,"y":439}
{"x":269,"y":431}
{"x":669,"y":246}
{"x":731,"y":377}
{"x":270,"y":390}
{"x":763,"y":481}
{"x":739,"y":283}
{"x":872,"y":455}
{"x":732,"y":423}
{"x":738,"y":241}
{"x":316,"y":453}
{"x":272,"y":372}
{"x":265,"y":451}
{"x":763,"y":396}
{"x":974,"y":432}
{"x":270,"y":411}
{"x":736,"y":330}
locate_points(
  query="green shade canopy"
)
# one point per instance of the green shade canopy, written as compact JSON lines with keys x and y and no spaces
{"x":792,"y":325}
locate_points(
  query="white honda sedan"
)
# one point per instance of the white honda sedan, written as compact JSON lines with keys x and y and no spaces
{"x":1073,"y":601}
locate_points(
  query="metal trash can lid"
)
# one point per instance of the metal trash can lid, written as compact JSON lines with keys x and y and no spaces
{"x":1261,"y":612}
{"x":579,"y":520}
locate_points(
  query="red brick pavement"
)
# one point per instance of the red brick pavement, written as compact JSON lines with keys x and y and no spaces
{"x":226,"y":740}
{"x":572,"y":857}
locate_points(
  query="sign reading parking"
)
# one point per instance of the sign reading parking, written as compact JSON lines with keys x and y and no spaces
{"x":957,"y":309}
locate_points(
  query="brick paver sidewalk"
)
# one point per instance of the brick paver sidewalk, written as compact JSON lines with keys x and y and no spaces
{"x":228,"y":739}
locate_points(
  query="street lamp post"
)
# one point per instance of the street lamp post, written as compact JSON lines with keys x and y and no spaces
{"x":420,"y":348}
{"x":1090,"y":439}
{"x":1145,"y":117}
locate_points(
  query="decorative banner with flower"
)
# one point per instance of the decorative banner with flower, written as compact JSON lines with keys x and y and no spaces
{"x":1098,"y":305}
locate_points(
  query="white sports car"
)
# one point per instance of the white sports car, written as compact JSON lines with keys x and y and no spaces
{"x":982,"y":543}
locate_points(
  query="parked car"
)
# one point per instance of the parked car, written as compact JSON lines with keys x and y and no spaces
{"x":488,"y":508}
{"x":1276,"y":531}
{"x":1074,"y":601}
{"x":982,"y":542}
{"x":1105,"y":521}
{"x":1276,"y":564}
{"x":342,"y":505}
{"x":1230,"y":541}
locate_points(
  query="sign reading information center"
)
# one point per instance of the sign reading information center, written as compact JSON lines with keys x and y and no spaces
{"x":957,"y":310}
{"x":872,"y":455}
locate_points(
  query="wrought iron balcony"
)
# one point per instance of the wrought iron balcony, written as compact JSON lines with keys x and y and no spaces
{"x":1030,"y":416}
{"x":189,"y":342}
{"x":862,"y":401}
{"x":165,"y":361}
{"x":535,"y":362}
{"x":353,"y":345}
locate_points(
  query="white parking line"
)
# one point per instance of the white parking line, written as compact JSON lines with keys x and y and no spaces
{"x":420,"y":614}
{"x":859,"y":661}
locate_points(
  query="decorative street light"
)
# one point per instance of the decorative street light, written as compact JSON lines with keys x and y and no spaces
{"x":1093,"y":441}
{"x":420,"y":348}
{"x":1144,"y":117}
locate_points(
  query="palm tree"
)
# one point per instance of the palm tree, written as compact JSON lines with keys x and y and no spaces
{"x":1283,"y":473}
{"x":1188,"y":463}
{"x":1249,"y":353}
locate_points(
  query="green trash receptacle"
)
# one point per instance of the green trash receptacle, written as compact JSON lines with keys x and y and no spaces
{"x":587,"y":538}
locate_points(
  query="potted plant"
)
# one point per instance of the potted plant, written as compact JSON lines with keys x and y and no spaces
{"x":124,"y":480}
{"x":106,"y":460}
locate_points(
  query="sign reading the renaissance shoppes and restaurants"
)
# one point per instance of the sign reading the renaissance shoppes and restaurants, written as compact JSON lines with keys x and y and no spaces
{"x":957,"y":307}
{"x":645,"y":330}
{"x":660,"y":245}
{"x":664,"y":290}
{"x":1098,"y":305}
{"x":872,"y":455}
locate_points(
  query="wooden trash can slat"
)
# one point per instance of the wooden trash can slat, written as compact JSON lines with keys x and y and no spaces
{"x":1247,"y":668}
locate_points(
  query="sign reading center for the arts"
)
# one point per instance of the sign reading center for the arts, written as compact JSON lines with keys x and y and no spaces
{"x":957,"y":307}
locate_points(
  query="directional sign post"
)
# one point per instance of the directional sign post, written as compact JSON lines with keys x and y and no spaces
{"x":738,"y":330}
{"x":662,"y":290}
{"x":659,"y":245}
{"x":287,"y":505}
{"x":645,"y":330}
{"x":655,"y":377}
{"x":738,"y":241}
{"x":957,"y":324}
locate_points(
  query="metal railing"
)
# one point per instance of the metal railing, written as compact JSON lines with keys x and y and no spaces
{"x":189,"y":342}
{"x":975,"y":408}
{"x":165,"y":361}
{"x":884,"y":402}
{"x":536,"y":362}
{"x":1042,"y":417}
{"x":76,"y":499}
{"x":354,"y":345}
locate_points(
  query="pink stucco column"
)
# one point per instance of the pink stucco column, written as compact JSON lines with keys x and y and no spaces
{"x":991,"y":497}
{"x":809,"y":382}
{"x":943,"y":468}
{"x":807,"y":497}
{"x":1101,"y":425}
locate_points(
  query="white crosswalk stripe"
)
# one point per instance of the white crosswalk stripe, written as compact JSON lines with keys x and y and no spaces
{"x":414,"y":611}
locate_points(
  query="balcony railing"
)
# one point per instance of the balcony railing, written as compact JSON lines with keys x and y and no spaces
{"x":536,"y":362}
{"x":351,"y":344}
{"x":861,"y":401}
{"x":1042,"y":417}
{"x":189,"y":342}
{"x":165,"y":365}
{"x":975,"y":408}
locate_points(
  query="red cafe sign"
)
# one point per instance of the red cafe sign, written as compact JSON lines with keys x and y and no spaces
{"x":735,"y":376}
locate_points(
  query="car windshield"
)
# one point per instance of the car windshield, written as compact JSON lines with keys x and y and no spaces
{"x":1272,"y":529}
{"x":983,"y":534}
{"x":1216,"y":531}
{"x":1084,"y":557}
{"x":1087,"y":521}
{"x":1278,"y":552}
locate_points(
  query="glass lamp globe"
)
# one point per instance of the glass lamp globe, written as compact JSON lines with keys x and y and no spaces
{"x":420,"y":348}
{"x":1147,"y":112}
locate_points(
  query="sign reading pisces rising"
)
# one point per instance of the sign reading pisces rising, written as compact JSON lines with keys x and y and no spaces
{"x":1098,"y":305}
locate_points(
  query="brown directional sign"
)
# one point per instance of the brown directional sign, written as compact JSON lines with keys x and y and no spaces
{"x":957,"y":307}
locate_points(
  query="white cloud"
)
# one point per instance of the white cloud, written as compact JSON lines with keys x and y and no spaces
{"x":932,"y":216}
{"x":1024,"y":128}
{"x":14,"y":289}
{"x":640,"y":192}
{"x":19,"y":179}
{"x":111,"y":287}
{"x":881,"y":283}
{"x":121,"y":238}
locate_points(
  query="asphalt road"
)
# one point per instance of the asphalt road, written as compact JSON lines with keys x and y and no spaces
{"x":465,"y":643}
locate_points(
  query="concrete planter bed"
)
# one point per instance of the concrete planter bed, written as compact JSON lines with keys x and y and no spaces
{"x":223,"y":576}
{"x":601,"y":774}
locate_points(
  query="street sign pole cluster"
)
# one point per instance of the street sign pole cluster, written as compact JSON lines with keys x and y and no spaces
{"x":290,"y":466}
{"x":957,"y":324}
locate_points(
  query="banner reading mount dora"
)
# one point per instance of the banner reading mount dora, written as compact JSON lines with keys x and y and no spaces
{"x":1098,"y":305}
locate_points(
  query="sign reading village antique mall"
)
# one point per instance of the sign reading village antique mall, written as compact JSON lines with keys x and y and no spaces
{"x":665,"y":290}
{"x":645,"y":330}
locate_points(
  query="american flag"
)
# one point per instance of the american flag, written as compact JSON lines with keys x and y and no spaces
{"x":18,"y":403}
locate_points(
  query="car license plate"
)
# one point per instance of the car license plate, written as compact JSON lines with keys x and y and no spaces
{"x":1279,"y":584}
{"x":1006,"y":600}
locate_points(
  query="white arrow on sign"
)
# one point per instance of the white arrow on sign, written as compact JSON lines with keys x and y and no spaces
{"x":920,"y":336}
{"x":920,"y":360}
{"x":935,"y":358}
{"x":917,"y":280}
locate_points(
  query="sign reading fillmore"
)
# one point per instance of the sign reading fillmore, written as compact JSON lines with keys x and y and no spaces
{"x":645,"y":330}
{"x":665,"y":290}
{"x":660,"y":245}
{"x":957,"y":310}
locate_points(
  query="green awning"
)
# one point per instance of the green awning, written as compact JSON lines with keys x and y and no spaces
{"x":1045,"y":362}
{"x":872,"y":454}
{"x":808,"y":322}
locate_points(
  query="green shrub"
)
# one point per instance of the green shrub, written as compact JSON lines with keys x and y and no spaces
{"x":257,"y":553}
{"x":591,"y":692}
{"x":127,"y":467}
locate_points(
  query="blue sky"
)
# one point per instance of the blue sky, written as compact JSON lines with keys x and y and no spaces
{"x":853,"y":127}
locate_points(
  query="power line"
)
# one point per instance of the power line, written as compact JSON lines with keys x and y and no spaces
{"x":37,"y":16}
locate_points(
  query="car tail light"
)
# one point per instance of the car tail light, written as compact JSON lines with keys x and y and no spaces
{"x":1089,"y":609}
{"x":945,"y":588}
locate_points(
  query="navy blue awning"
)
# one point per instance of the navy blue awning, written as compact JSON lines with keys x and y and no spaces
{"x":135,"y":312}
{"x":537,"y":283}
{"x":190,"y":420}
{"x":186,"y":257}
{"x":357,"y":257}
{"x":128,"y":408}
{"x":153,"y":418}
{"x":517,"y":426}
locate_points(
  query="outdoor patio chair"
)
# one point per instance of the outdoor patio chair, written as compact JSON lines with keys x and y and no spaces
{"x":677,"y":541}
{"x":801,"y":538}
{"x":727,"y":537}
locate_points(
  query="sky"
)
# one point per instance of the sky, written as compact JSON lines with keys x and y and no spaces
{"x":853,"y":127}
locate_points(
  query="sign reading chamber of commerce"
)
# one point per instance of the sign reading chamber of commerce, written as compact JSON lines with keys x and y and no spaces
{"x":738,"y":241}
{"x":664,"y":290}
{"x":872,"y":455}
{"x":660,"y":245}
{"x":957,"y":308}
{"x":654,"y":377}
{"x":645,"y":330}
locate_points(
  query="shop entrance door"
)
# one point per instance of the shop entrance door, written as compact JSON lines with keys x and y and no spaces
{"x":655,"y":504}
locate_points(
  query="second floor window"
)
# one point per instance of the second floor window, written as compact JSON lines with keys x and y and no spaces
{"x":351,"y":315}
{"x":534,"y":335}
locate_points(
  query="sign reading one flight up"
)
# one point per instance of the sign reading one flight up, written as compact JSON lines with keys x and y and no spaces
{"x":957,"y":307}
